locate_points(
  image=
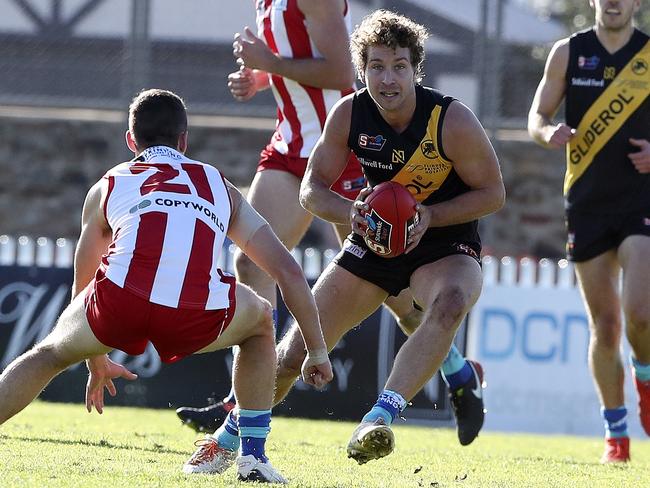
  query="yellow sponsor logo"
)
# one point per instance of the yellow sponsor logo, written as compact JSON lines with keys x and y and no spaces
{"x":598,"y":126}
{"x":398,"y":156}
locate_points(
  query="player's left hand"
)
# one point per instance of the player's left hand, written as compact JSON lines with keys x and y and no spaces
{"x":641,"y":159}
{"x":101,"y":372}
{"x":252,"y":52}
{"x":424,"y":218}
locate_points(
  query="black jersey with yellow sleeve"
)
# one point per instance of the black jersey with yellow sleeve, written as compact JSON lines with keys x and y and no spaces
{"x":415,"y":157}
{"x":607,"y":103}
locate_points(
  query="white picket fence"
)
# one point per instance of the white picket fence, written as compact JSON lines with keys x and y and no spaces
{"x":524,"y":272}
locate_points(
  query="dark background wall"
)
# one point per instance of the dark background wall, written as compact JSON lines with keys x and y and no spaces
{"x":47,"y":166}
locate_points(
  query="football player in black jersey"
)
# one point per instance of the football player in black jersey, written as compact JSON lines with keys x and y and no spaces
{"x":603,"y":75}
{"x":434,"y":146}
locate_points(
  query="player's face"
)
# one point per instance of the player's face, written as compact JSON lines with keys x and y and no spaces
{"x":614,"y":15}
{"x":390,"y":77}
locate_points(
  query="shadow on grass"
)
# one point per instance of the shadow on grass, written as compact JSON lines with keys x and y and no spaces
{"x":157,"y":448}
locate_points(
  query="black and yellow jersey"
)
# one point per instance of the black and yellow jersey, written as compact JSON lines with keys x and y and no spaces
{"x":415,"y":157}
{"x":606,"y":101}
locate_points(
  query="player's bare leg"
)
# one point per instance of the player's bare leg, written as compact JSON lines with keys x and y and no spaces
{"x":71,"y":341}
{"x":253,"y":377}
{"x":343,"y":301}
{"x":464,"y":378}
{"x":634,"y":256}
{"x":599,"y":285}
{"x":274,"y":194}
{"x":447,"y":288}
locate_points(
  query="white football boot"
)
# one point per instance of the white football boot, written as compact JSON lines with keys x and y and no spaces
{"x":209,"y":458}
{"x":371,"y":440}
{"x":249,"y":468}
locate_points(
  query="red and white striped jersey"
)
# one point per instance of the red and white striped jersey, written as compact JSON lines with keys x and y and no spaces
{"x":301,"y":109}
{"x":169,"y":216}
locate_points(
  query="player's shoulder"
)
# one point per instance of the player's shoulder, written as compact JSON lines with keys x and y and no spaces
{"x":459,"y":118}
{"x":561,"y":47}
{"x":342,"y":109}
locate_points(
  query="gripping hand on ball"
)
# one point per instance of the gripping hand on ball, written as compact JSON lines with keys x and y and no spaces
{"x":416,"y":233}
{"x":358,"y":211}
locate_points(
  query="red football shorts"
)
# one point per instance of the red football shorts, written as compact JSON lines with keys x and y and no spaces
{"x":348,"y":185}
{"x":124,"y":321}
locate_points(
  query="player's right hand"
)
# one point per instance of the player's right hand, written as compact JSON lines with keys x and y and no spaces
{"x":559,"y":136}
{"x":358,"y":212}
{"x":241,"y":84}
{"x":317,"y":369}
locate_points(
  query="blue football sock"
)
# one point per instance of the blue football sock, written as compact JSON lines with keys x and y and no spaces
{"x":455,"y":369}
{"x":228,"y":434}
{"x":615,"y":421}
{"x":641,"y":371}
{"x":388,"y":406}
{"x":254,"y":426}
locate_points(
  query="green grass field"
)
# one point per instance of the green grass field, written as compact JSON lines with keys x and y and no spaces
{"x":60,"y":445}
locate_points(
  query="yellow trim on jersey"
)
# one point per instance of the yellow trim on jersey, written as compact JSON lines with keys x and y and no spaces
{"x":426,"y":169}
{"x":607,"y":114}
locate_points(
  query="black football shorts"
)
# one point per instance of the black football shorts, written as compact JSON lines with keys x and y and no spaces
{"x":394,"y":274}
{"x":590,"y":235}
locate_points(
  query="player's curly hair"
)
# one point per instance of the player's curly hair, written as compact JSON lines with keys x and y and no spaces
{"x":157,"y":118}
{"x":386,"y":28}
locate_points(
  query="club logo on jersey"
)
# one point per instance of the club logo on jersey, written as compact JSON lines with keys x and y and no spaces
{"x":378,"y":233}
{"x":428,"y":149}
{"x":374,"y":143}
{"x":590,"y":63}
{"x":639,"y":67}
{"x":140,"y":206}
{"x":398,"y":156}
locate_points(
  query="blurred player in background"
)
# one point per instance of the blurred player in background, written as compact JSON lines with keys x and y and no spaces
{"x":302,"y":53}
{"x":603,"y":74}
{"x":155,"y":225}
{"x":433,"y":145}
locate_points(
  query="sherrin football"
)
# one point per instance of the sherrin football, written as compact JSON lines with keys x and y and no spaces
{"x":390,"y":216}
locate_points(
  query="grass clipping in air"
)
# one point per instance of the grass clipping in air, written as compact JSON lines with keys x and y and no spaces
{"x":60,"y":445}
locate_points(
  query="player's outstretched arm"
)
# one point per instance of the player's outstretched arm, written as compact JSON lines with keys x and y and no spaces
{"x":256,"y":239}
{"x":548,"y":97}
{"x":326,"y":163}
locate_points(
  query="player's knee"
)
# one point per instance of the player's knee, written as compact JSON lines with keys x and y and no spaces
{"x":450,"y":306}
{"x":637,"y":317}
{"x":265,"y":325}
{"x":606,"y":334}
{"x":244,"y":267}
